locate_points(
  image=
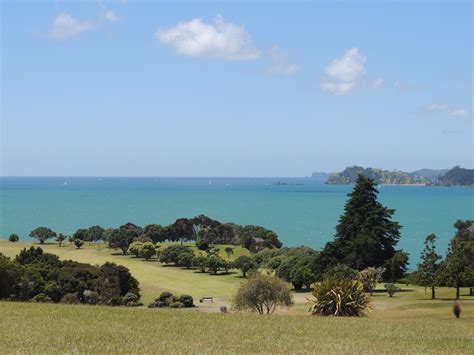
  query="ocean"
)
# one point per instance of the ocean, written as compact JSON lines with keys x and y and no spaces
{"x":304,"y":212}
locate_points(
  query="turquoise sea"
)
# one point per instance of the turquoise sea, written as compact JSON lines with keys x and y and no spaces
{"x":305,"y":212}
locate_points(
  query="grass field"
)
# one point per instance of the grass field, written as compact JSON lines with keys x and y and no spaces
{"x":408,"y":322}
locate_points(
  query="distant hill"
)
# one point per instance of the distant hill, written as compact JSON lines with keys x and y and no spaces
{"x":349,"y":176}
{"x":320,"y":176}
{"x":431,"y":174}
{"x":457,"y":176}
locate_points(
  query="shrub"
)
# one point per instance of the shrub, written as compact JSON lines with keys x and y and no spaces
{"x":391,"y":289}
{"x":457,"y":309}
{"x":187,"y":300}
{"x":370,"y":277}
{"x":78,"y":243}
{"x":262,"y":294}
{"x":171,"y":254}
{"x":341,"y":272}
{"x":135,"y":248}
{"x":130,"y":298}
{"x":185,"y":260}
{"x":13,"y":238}
{"x":339,"y":298}
{"x":176,"y":305}
{"x":70,"y":298}
{"x":41,"y":298}
{"x":91,"y":297}
{"x":223,"y":309}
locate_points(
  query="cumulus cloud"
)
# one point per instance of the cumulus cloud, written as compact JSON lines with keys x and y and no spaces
{"x":66,"y":26}
{"x":280,"y":65}
{"x":344,"y":73}
{"x":217,"y":40}
{"x":445,"y":108}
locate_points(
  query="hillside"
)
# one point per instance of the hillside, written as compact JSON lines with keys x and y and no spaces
{"x":349,"y":176}
{"x":457,"y":176}
{"x":431,"y":174}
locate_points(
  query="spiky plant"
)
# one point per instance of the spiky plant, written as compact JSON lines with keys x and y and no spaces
{"x":340,"y":298}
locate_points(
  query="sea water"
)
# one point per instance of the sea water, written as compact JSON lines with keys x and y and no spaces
{"x":303,"y":211}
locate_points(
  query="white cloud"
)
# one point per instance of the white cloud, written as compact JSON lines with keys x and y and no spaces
{"x":110,"y":16}
{"x":445,"y":108}
{"x":344,"y":73}
{"x":66,"y":26}
{"x":459,"y":112}
{"x":218,"y":40}
{"x":348,"y":68}
{"x":280,"y":65}
{"x":377,"y":83}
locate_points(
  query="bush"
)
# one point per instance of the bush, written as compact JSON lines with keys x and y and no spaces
{"x":171,"y":254}
{"x":370,"y":277}
{"x":223,"y":309}
{"x":70,"y":298}
{"x":341,"y":272}
{"x":262,"y":294}
{"x":78,"y":243}
{"x":13,"y":238}
{"x":130,"y":298}
{"x":187,"y":300}
{"x":200,"y":262}
{"x":391,"y":289}
{"x":176,"y":305}
{"x":91,"y":297}
{"x":339,"y":298}
{"x":42,"y":298}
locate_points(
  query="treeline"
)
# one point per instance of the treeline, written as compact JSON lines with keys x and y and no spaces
{"x":37,"y":276}
{"x":456,"y":269}
{"x":350,"y":174}
{"x":201,"y":229}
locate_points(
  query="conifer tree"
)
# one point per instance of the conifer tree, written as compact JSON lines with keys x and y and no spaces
{"x":429,"y":265}
{"x":365,"y":236}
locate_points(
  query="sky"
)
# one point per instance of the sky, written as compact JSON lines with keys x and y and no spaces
{"x":142,"y":88}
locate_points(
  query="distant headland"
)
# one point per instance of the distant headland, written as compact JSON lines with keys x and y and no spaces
{"x":456,"y":176}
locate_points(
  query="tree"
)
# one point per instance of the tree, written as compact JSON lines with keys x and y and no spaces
{"x":427,"y":269}
{"x":262,"y":294}
{"x":155,"y":232}
{"x":458,"y":268}
{"x":13,"y":238}
{"x":82,"y":234}
{"x":135,"y":248}
{"x":229,"y":251}
{"x":200,"y":262}
{"x":42,"y":234}
{"x":215,"y":263}
{"x":122,"y":237}
{"x":256,"y":238}
{"x":341,"y":272}
{"x":370,"y":277}
{"x":78,"y":243}
{"x":95,"y":233}
{"x":171,"y":254}
{"x":391,"y":289}
{"x":366,"y":235}
{"x":60,"y":239}
{"x":245,"y":264}
{"x":396,"y":266}
{"x":148,"y":250}
{"x":302,"y":275}
{"x":185,"y":260}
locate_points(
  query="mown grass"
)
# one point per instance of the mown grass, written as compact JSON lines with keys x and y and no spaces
{"x":55,"y":328}
{"x":152,"y":275}
{"x":409,"y":322}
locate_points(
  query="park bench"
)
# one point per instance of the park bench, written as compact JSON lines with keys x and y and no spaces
{"x":206,"y":299}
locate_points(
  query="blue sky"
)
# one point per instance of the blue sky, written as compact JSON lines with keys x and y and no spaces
{"x":234,"y":89}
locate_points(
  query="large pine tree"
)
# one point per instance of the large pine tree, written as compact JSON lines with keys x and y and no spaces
{"x":366,"y":235}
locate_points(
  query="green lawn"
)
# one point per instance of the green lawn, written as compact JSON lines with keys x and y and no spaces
{"x":54,"y":328}
{"x":408,"y":322}
{"x":152,"y":275}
